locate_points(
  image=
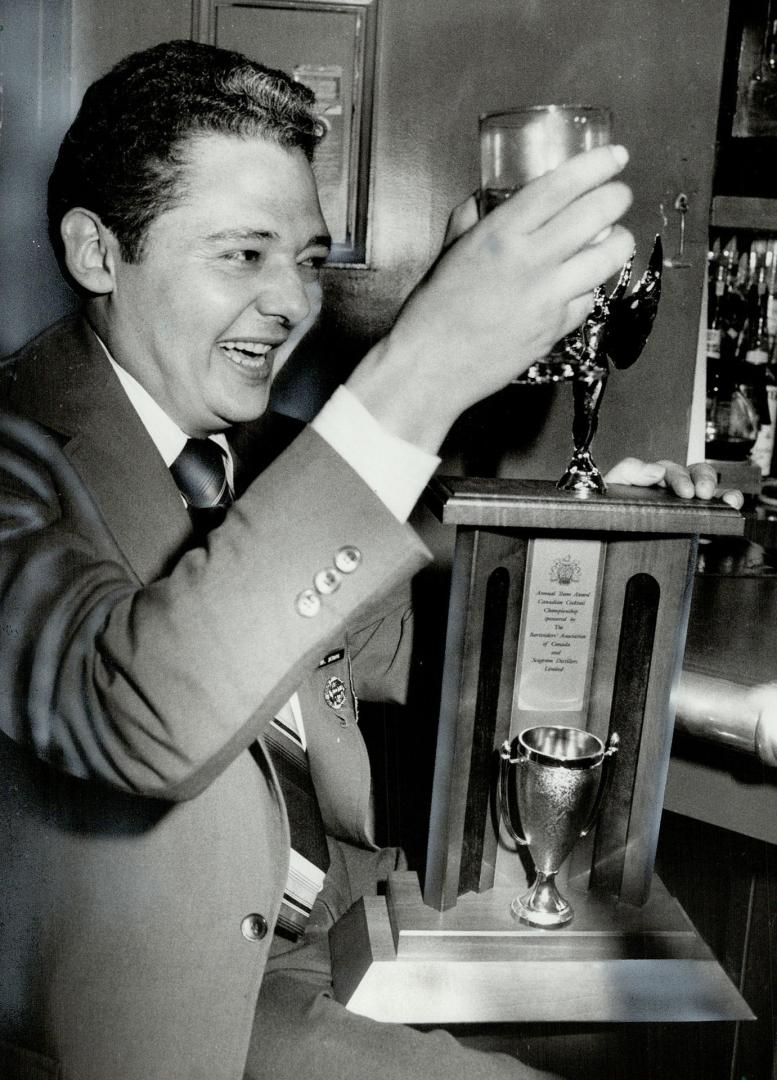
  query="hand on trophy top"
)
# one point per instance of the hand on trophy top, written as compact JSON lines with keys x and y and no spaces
{"x":505,"y":290}
{"x":693,"y":481}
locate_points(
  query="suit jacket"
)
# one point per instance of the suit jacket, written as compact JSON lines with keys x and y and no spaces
{"x":140,"y":820}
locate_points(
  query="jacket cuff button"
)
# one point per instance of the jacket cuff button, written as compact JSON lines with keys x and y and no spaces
{"x":327,"y":581}
{"x":307,"y":603}
{"x":347,"y":559}
{"x":254,"y":927}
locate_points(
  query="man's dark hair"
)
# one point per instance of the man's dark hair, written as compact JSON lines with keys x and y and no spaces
{"x":123,"y":156}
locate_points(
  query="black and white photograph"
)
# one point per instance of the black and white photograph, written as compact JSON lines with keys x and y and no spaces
{"x":388,"y":540}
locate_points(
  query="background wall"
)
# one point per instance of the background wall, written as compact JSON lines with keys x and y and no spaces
{"x":34,"y":111}
{"x":440,"y":63}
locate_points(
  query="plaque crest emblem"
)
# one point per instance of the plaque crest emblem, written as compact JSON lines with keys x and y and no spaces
{"x":565,"y":571}
{"x":334,"y":692}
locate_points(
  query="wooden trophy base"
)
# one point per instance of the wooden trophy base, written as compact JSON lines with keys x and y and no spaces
{"x":395,"y":959}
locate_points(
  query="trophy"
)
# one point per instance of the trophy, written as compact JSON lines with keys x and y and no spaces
{"x":516,"y":147}
{"x":561,"y":778}
{"x":614,"y":333}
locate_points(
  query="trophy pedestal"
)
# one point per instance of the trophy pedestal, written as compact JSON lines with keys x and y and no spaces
{"x":397,"y":960}
{"x":570,"y":611}
{"x":563,"y":611}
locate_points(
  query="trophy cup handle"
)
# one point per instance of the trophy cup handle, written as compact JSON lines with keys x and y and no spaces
{"x":505,"y":761}
{"x":607,"y":771}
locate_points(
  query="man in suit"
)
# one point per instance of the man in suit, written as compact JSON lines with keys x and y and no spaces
{"x":159,"y":634}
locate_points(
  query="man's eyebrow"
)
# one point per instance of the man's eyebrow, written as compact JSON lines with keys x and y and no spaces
{"x":242,"y":236}
{"x":239,"y":235}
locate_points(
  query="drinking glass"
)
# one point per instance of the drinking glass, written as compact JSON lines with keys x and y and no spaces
{"x":520,"y":145}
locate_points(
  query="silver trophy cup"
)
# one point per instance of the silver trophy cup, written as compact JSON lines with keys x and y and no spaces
{"x":560,"y":777}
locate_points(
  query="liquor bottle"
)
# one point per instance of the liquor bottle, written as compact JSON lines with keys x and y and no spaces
{"x":715,"y":311}
{"x":771,"y":289}
{"x":732,"y":421}
{"x":755,"y":377}
{"x":735,"y":306}
{"x":756,"y":343}
{"x":764,"y":455}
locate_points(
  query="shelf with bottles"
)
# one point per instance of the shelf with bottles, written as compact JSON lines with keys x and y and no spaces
{"x":741,"y":349}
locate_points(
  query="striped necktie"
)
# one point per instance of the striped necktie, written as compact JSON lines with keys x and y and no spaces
{"x":200,"y":474}
{"x":309,"y":856}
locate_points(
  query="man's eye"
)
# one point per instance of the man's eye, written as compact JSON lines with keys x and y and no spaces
{"x":315,"y":262}
{"x":245,"y":255}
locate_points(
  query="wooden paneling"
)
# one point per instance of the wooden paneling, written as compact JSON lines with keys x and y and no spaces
{"x":51,"y":51}
{"x":104,"y":31}
{"x":34,"y":97}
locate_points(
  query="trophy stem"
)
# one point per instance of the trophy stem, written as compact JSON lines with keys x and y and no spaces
{"x":582,"y":476}
{"x":543,"y":904}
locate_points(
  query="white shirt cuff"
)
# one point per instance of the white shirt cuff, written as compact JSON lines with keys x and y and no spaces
{"x":395,"y":470}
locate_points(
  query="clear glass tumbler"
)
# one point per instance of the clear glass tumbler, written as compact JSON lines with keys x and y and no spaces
{"x":520,"y":145}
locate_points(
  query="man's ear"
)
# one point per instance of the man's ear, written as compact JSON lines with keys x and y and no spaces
{"x":89,"y":250}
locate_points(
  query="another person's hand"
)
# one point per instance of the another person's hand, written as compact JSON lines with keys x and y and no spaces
{"x":693,"y":481}
{"x":499,"y":298}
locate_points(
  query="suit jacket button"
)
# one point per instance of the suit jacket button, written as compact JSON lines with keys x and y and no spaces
{"x":347,"y":559}
{"x":254,"y":927}
{"x":308,"y":603}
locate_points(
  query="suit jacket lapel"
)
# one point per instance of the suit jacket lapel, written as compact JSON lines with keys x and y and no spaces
{"x":133,"y":487}
{"x":107,"y":443}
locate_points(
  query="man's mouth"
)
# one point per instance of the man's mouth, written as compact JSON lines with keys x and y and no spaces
{"x":252,"y":356}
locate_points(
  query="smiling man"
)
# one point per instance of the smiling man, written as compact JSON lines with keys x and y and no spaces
{"x":173,"y":624}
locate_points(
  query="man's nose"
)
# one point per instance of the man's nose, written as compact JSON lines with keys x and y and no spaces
{"x":283,"y":295}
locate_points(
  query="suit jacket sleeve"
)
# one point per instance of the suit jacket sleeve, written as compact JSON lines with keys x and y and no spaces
{"x":156,"y":689}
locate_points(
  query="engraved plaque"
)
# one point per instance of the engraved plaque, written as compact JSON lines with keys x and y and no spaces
{"x":560,"y":603}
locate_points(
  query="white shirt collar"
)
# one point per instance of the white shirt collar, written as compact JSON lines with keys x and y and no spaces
{"x":164,"y":432}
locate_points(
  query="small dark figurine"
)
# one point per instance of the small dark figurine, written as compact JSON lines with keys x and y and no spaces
{"x":614,"y":333}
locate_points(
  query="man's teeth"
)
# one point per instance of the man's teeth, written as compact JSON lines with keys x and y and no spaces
{"x":257,"y":348}
{"x":250,"y":354}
